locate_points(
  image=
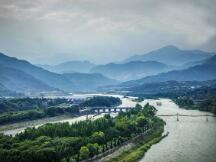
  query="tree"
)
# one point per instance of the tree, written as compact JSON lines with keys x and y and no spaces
{"x":141,"y":121}
{"x":98,"y":137}
{"x":93,"y":149}
{"x":84,"y":152}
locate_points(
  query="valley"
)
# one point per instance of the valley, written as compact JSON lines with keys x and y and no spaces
{"x":122,"y":111}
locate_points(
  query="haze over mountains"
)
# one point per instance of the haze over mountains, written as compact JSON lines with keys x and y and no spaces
{"x":70,"y":67}
{"x":22,"y":76}
{"x":202,"y":72}
{"x":165,"y":64}
{"x":131,"y":70}
{"x":172,"y":55}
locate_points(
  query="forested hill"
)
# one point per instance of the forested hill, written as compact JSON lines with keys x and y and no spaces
{"x":203,"y":72}
{"x":6,"y":92}
{"x":48,"y":78}
{"x":21,"y":76}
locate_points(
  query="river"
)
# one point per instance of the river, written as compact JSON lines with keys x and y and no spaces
{"x":191,"y":139}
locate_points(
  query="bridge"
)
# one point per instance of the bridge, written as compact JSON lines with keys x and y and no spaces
{"x":107,"y":109}
{"x":187,"y":115}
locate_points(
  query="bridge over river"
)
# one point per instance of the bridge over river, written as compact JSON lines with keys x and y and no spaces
{"x":187,"y":115}
{"x":99,"y":110}
{"x":105,"y":109}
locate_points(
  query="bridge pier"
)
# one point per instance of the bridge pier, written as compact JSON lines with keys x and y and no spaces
{"x":177,"y":117}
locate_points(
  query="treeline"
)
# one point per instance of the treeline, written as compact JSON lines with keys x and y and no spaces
{"x":20,"y":104}
{"x":78,"y":141}
{"x":185,"y":102}
{"x":33,"y":114}
{"x":206,"y":104}
{"x":21,"y":109}
{"x":202,"y":98}
{"x":101,"y":101}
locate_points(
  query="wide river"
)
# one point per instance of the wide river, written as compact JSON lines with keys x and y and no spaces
{"x":191,"y":139}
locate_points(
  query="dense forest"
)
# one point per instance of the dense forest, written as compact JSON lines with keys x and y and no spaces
{"x":20,"y":109}
{"x":101,"y":101}
{"x":78,"y":141}
{"x":202,"y":98}
{"x":38,"y":113}
{"x":20,"y":104}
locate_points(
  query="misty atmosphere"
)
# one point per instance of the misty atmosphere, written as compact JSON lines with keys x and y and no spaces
{"x":107,"y":81}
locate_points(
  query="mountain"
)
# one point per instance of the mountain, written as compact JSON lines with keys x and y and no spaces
{"x":44,"y":76}
{"x":70,"y":67}
{"x":19,"y":81}
{"x":6,"y":92}
{"x":130,"y":70}
{"x":202,"y":72}
{"x":171,"y":55}
{"x":88,"y":82}
{"x":168,"y":86}
{"x":21,"y":76}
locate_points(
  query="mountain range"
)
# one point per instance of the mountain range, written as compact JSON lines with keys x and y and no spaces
{"x":162,"y":65}
{"x":70,"y":67}
{"x":6,"y":92}
{"x":172,"y":55}
{"x":23,"y":77}
{"x":201,"y":72}
{"x":88,"y":82}
{"x":131,"y":70}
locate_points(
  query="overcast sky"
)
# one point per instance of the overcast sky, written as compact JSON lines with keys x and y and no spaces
{"x":52,"y":31}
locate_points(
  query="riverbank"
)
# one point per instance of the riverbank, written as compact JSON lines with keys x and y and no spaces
{"x":13,"y":129}
{"x":139,"y":146}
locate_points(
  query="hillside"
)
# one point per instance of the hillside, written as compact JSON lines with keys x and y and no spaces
{"x":8,"y":93}
{"x":70,"y":67}
{"x":130,"y":70}
{"x":203,"y":72}
{"x":48,"y":78}
{"x":19,"y":81}
{"x":172,"y":55}
{"x":88,"y":82}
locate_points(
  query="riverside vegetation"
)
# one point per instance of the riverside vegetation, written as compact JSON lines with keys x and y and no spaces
{"x":21,"y":109}
{"x":78,"y":141}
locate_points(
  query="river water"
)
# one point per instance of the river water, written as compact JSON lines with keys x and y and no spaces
{"x":191,"y":139}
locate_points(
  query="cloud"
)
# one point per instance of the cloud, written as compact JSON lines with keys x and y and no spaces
{"x":103,"y":30}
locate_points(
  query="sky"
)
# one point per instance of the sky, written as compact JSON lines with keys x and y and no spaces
{"x":54,"y":31}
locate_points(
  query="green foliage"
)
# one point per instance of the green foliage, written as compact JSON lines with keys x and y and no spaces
{"x":208,"y":105}
{"x":93,"y":149}
{"x":141,"y":121}
{"x":102,"y":101}
{"x":20,"y":104}
{"x":21,"y":115}
{"x":184,"y":102}
{"x":32,"y":114}
{"x":57,"y":141}
{"x":84,"y":152}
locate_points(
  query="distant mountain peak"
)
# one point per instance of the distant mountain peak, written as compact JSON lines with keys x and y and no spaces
{"x":170,"y":47}
{"x":171,"y":55}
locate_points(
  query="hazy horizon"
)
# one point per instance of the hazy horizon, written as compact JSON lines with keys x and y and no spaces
{"x":55,"y":31}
